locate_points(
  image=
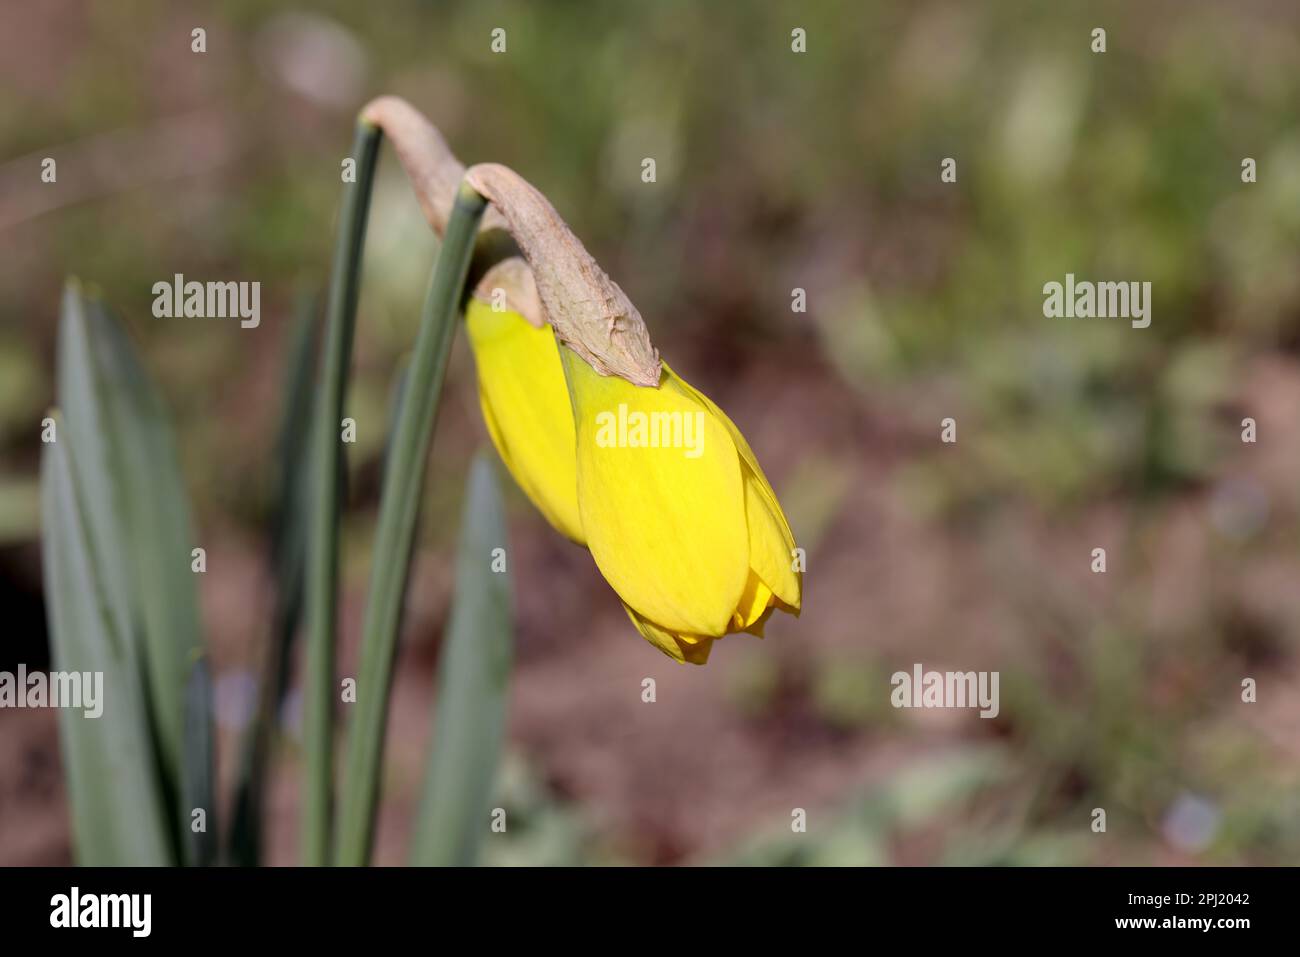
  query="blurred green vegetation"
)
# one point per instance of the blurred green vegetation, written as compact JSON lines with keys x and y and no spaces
{"x":774,"y":170}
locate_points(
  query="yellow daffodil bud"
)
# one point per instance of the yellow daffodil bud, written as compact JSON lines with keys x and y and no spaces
{"x":616,"y":450}
{"x":525,"y":404}
{"x":670,"y":499}
{"x":657,"y":482}
{"x":677,"y":512}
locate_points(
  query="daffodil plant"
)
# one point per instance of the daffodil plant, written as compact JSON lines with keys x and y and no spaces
{"x":693,"y":540}
{"x":619,"y":453}
{"x":690,"y":535}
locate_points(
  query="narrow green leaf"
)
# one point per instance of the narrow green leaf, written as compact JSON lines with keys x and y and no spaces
{"x":398,"y":506}
{"x":288,"y":536}
{"x":288,"y":555}
{"x":118,"y":816}
{"x":396,"y":400}
{"x":126,"y":470}
{"x":198,"y":788}
{"x":160,"y":536}
{"x":87,"y":424}
{"x":321,"y":570}
{"x":473,"y":680}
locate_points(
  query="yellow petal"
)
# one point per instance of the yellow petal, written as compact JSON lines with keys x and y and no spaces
{"x":746,"y":454}
{"x":756,"y":627}
{"x":666,"y":525}
{"x":771,"y":544}
{"x":688,"y":649}
{"x":754,"y":600}
{"x":526,"y":407}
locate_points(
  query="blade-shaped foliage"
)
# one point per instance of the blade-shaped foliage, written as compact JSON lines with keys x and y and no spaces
{"x":118,"y":815}
{"x":126,"y":473}
{"x":473,"y":679}
{"x":288,"y":555}
{"x":198,"y":769}
{"x":320,"y":584}
{"x":399,"y":504}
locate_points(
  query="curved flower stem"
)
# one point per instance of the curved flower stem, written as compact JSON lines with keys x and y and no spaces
{"x":588,"y":311}
{"x":323,"y":529}
{"x":398,"y":508}
{"x":435,"y":173}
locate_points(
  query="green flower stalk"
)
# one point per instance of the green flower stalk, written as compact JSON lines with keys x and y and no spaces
{"x":321,"y":584}
{"x":399,"y":504}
